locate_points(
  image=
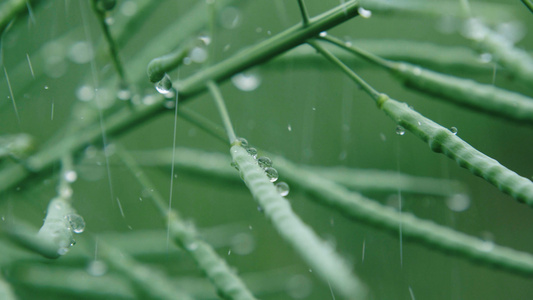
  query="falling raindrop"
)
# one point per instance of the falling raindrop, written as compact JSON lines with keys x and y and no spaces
{"x":400,"y":130}
{"x":282,"y":188}
{"x":76,"y":222}
{"x":246,"y":81}
{"x":164,"y":85}
{"x":272,"y":174}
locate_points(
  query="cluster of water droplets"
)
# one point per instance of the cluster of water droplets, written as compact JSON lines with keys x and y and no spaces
{"x":264,"y":163}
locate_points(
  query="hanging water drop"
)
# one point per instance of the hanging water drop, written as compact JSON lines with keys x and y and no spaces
{"x":365,"y":13}
{"x":400,"y":130}
{"x":164,"y":85}
{"x":272,"y":174}
{"x":454,"y":130}
{"x":77,"y":224}
{"x":264,"y":162}
{"x":252,"y":151}
{"x":282,"y":188}
{"x":244,"y":142}
{"x":247,"y":81}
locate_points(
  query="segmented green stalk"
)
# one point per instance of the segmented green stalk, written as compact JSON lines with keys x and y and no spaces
{"x":446,"y":240}
{"x":216,"y":269}
{"x":516,"y":60}
{"x":6,"y":292}
{"x":442,"y":140}
{"x":152,"y":282}
{"x":221,"y":106}
{"x":465,"y":92}
{"x":322,"y":259}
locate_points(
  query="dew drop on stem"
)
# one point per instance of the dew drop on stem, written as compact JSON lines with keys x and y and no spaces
{"x":264,"y":162}
{"x":454,"y":130}
{"x":164,"y":85}
{"x":77,"y":224}
{"x":364,"y":13}
{"x":272,"y":174}
{"x":252,"y":151}
{"x":400,"y":130}
{"x":282,"y":188}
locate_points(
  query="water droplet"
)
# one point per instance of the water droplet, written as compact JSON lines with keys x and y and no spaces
{"x":198,"y":55}
{"x":264,"y":162}
{"x":454,"y":130}
{"x":206,"y":39}
{"x":244,"y":142}
{"x":365,"y":13}
{"x":71,"y":176}
{"x":109,"y":21}
{"x":272,"y":174}
{"x":85,"y":93}
{"x":97,"y":268}
{"x":164,"y":85}
{"x":124,"y":92}
{"x":458,"y":202}
{"x":282,"y":188}
{"x":488,"y":242}
{"x":230,"y":17}
{"x":229,"y":252}
{"x":400,"y":130}
{"x":246,"y":81}
{"x":235,"y":165}
{"x":187,"y":60}
{"x":65,"y":192}
{"x":128,"y":8}
{"x":259,"y":209}
{"x":80,"y":52}
{"x":289,"y":127}
{"x":485,"y":57}
{"x":77,"y":224}
{"x":62,"y":251}
{"x":252,"y":151}
{"x":169,"y":103}
{"x":45,"y":87}
{"x":323,"y":34}
{"x":192,"y":246}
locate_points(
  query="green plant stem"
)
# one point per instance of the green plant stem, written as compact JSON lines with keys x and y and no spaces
{"x":323,"y":260}
{"x":479,"y":97}
{"x":356,"y":207}
{"x":442,"y":140}
{"x":223,"y":111}
{"x":159,"y":66}
{"x":10,"y":9}
{"x":216,"y":269}
{"x":153,"y":283}
{"x":266,"y":50}
{"x":6,"y":292}
{"x":126,"y":119}
{"x":528,"y":4}
{"x":110,"y":41}
{"x":215,"y":165}
{"x":303,"y":12}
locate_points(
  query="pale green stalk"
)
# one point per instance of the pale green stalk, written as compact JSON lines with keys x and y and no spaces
{"x":303,"y":12}
{"x":152,"y":282}
{"x":464,"y":92}
{"x":6,"y":292}
{"x":361,"y":209}
{"x":442,"y":140}
{"x":319,"y":255}
{"x":223,"y":111}
{"x":528,"y":4}
{"x":216,"y":269}
{"x":127,"y":119}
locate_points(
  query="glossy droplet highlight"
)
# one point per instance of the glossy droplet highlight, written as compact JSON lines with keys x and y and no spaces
{"x":282,"y":188}
{"x":247,"y":81}
{"x":71,"y":176}
{"x":323,"y":34}
{"x":244,"y":142}
{"x":198,"y":55}
{"x":365,"y":13}
{"x":400,"y":130}
{"x":164,"y":85}
{"x":77,"y":224}
{"x":264,"y":162}
{"x":252,"y":151}
{"x":272,"y":174}
{"x":454,"y":130}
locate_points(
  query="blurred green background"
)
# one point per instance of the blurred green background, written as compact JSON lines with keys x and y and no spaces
{"x":308,"y":112}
